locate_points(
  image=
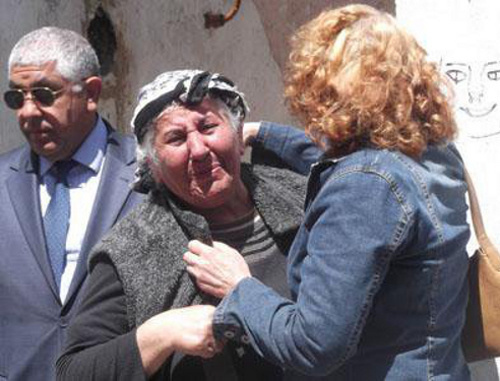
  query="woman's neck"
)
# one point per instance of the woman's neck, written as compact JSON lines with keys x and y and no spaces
{"x":238,"y":205}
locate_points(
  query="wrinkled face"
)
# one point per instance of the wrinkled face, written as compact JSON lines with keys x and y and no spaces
{"x":198,"y":154}
{"x":55,"y":131}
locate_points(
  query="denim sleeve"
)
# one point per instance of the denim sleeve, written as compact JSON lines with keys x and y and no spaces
{"x":291,"y":146}
{"x":341,"y":254}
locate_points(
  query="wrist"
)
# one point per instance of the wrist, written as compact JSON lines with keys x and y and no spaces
{"x":155,"y":343}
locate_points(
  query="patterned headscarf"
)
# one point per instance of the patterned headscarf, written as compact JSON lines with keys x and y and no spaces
{"x":188,"y":87}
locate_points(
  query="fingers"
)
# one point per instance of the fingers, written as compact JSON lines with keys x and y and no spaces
{"x":199,"y":254}
{"x":202,"y":254}
{"x":203,"y":250}
{"x":191,"y":332}
{"x":211,"y":349}
{"x":198,"y":267}
{"x":194,"y":259}
{"x":217,"y":269}
{"x":214,"y":347}
{"x":223,"y":247}
{"x":198,"y":247}
{"x":205,"y":280}
{"x":201,"y":273}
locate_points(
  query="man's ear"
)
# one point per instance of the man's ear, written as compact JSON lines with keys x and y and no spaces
{"x":93,"y":86}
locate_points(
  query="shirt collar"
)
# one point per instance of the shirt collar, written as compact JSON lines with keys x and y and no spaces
{"x":325,"y":162}
{"x":91,"y":152}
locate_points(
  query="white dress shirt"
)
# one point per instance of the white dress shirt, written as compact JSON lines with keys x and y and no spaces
{"x":83,"y":182}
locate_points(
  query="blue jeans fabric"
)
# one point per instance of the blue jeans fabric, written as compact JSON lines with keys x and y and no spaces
{"x":377,"y":270}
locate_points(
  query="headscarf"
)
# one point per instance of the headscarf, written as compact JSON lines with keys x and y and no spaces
{"x":188,"y":87}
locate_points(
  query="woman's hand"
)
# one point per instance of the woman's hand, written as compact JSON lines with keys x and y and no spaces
{"x":187,"y":330}
{"x":217,"y":269}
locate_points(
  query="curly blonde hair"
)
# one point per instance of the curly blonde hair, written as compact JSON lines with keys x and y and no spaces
{"x":356,"y":79}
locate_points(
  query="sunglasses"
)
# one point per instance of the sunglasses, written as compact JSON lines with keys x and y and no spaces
{"x":43,"y":96}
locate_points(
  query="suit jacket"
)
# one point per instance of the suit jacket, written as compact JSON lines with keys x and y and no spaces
{"x":32,"y":319}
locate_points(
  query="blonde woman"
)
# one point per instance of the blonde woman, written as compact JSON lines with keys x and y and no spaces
{"x":377,"y":270}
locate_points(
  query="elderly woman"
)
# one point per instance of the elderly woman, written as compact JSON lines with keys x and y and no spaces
{"x":377,"y":270}
{"x":131,"y":324}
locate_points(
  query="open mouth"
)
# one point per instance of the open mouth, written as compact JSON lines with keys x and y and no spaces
{"x":205,"y":171}
{"x":478,"y":112}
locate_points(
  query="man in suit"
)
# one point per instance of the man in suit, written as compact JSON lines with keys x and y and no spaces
{"x":59,"y":194}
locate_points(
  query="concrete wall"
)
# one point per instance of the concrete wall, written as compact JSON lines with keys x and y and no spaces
{"x":152,"y":36}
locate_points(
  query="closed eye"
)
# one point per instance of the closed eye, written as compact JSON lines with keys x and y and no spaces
{"x":175,"y":139}
{"x":208,"y":127}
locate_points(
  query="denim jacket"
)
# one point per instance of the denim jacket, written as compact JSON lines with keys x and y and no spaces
{"x":377,"y":270}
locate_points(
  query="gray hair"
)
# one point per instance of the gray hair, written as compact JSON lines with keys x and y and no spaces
{"x":145,"y":150}
{"x":74,"y":56}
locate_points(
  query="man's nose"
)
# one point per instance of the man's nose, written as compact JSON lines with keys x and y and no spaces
{"x":29,"y":109}
{"x":197,"y":146}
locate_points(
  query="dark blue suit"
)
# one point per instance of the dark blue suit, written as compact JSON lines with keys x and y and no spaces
{"x":32,"y":319}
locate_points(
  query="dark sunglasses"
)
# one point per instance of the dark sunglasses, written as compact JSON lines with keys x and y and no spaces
{"x":44,"y":96}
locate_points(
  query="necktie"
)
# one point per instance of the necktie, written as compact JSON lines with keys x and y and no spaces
{"x":56,"y":219}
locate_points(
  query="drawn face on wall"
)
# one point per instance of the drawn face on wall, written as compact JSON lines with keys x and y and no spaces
{"x":463,"y":36}
{"x":476,"y":79}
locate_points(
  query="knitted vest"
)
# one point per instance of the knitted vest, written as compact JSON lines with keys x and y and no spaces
{"x":146,"y":247}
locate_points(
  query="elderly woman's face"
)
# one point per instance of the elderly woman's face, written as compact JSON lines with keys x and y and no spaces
{"x":198,"y":155}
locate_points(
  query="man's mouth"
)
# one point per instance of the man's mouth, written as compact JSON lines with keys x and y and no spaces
{"x":38,"y":134}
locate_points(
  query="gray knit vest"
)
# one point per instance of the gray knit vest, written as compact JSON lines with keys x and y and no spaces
{"x":146,"y":247}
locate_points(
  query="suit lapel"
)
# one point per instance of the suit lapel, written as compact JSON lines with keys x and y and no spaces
{"x":112,"y":194}
{"x":23,"y":190}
